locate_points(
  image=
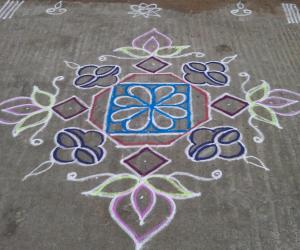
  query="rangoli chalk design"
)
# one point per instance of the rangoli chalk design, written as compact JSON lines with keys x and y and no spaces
{"x":144,"y":111}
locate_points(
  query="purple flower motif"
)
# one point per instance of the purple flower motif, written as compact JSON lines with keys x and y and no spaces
{"x":154,"y":43}
{"x":15,"y":109}
{"x":90,"y":76}
{"x":283,"y":102}
{"x":211,"y":73}
{"x":80,"y":146}
{"x":28,"y":112}
{"x":220,"y":142}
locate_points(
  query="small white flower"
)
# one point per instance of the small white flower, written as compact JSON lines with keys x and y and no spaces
{"x":145,"y":10}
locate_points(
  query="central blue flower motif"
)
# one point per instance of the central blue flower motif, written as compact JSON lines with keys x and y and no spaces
{"x":149,"y":108}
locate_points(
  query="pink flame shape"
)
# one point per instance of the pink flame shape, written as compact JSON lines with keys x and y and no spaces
{"x":284,"y":102}
{"x":141,"y":238}
{"x":152,"y":40}
{"x":143,"y":213}
{"x":14,"y":109}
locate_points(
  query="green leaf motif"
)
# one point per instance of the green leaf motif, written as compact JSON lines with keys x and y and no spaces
{"x":180,"y":192}
{"x":133,"y":52}
{"x":169,"y":52}
{"x":269,"y":115}
{"x":32,"y":120}
{"x":258,"y":93}
{"x":41,"y":98}
{"x":102,"y":189}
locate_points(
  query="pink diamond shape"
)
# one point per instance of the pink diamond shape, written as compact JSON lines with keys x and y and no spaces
{"x":229,"y":105}
{"x":70,"y":108}
{"x":152,"y":65}
{"x":145,"y":161}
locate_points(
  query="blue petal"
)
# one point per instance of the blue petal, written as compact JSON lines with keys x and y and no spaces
{"x":211,"y":154}
{"x":215,"y":66}
{"x":197,"y":66}
{"x":107,"y":70}
{"x":229,"y":137}
{"x":240,"y":152}
{"x":78,"y":133}
{"x":56,"y":156}
{"x":66,"y":140}
{"x":200,"y":133}
{"x":84,"y":156}
{"x":87,"y":69}
{"x":217,"y":78}
{"x":85,"y":81}
{"x":98,"y":152}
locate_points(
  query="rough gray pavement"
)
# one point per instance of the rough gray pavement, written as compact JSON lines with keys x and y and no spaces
{"x":247,"y":209}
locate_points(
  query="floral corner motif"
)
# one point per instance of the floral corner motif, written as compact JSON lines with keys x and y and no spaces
{"x":211,"y":73}
{"x":90,"y":76}
{"x":211,"y":143}
{"x":80,"y":146}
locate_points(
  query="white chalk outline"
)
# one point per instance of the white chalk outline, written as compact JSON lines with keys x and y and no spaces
{"x":241,"y":10}
{"x":139,"y":10}
{"x":57,"y":9}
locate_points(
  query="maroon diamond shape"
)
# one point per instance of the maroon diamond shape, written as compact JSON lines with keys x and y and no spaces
{"x":145,"y":161}
{"x":229,"y":105}
{"x":69,"y":108}
{"x":152,"y":65}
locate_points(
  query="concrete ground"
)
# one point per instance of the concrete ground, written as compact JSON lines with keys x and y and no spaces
{"x":247,"y":209}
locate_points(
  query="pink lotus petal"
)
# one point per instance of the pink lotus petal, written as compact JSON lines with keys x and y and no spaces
{"x":285,"y":93}
{"x":22,"y":110}
{"x":20,"y":100}
{"x":141,"y":238}
{"x":135,"y":201}
{"x":163,"y":40}
{"x":7,"y":118}
{"x":277,"y":102}
{"x":291,"y":106}
{"x":10,"y":109}
{"x":151,"y":45}
{"x":7,"y":122}
{"x":288,"y":113}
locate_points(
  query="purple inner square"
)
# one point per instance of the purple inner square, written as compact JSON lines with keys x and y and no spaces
{"x":149,"y":165}
{"x":62,"y":108}
{"x":233,"y":100}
